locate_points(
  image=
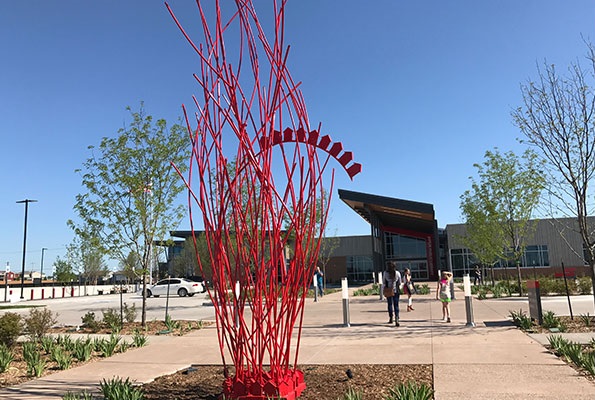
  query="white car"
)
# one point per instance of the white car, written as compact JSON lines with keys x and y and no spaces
{"x":181,"y":286}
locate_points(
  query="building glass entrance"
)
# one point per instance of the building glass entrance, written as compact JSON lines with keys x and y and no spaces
{"x":408,"y":252}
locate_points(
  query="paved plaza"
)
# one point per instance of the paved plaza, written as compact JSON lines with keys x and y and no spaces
{"x":493,"y":360}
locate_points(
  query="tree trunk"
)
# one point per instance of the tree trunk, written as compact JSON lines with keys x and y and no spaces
{"x":144,"y":307}
{"x":592,"y":269}
{"x":518,"y":271}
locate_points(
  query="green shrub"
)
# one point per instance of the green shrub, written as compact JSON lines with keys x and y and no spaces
{"x":482,"y":293}
{"x":410,"y":391}
{"x":111,"y":318}
{"x":130,"y":313}
{"x":29,"y":351}
{"x":35,"y":364}
{"x":108,"y":347}
{"x":47,"y":344}
{"x":39,"y":322}
{"x":497,"y":291}
{"x":170,"y":323}
{"x":521,"y":319}
{"x":66,"y":342}
{"x":138,"y":339}
{"x":6,"y":357}
{"x":62,"y":358}
{"x":90,"y":322}
{"x":353,"y":394}
{"x":586,"y":319}
{"x":584,"y":285}
{"x":588,"y":362}
{"x":550,"y":320}
{"x":423,"y":289}
{"x":83,"y":349}
{"x":11,"y":327}
{"x":117,"y":389}
{"x":78,"y":396}
{"x":557,"y":342}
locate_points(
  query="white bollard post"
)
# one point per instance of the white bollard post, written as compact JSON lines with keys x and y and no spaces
{"x":381,"y":285}
{"x":345,"y":297}
{"x":236,"y":308}
{"x":315,"y":282}
{"x":468,"y":300}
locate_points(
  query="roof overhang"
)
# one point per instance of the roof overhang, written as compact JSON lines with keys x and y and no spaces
{"x":391,"y":212}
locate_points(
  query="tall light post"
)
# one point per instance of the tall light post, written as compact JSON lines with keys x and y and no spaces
{"x":43,"y":249}
{"x":26,"y":201}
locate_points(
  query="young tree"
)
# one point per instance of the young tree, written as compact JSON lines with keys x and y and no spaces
{"x":558,"y":119}
{"x":131,"y":188}
{"x":85,"y":255}
{"x":500,"y":204}
{"x":483,"y":236}
{"x":63,"y":270}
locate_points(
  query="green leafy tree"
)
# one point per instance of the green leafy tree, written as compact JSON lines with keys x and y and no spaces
{"x":131,"y":188}
{"x":500,"y":204}
{"x":558,"y":120}
{"x":63,"y":271}
{"x":131,"y":266}
{"x":85,"y":254}
{"x":186,"y":262}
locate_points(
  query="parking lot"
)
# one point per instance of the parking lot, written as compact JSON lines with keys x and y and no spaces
{"x":71,"y":310}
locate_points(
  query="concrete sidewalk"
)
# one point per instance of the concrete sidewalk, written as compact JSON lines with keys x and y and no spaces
{"x":493,"y":360}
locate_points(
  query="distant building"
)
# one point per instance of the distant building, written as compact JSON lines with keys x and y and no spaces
{"x":407,"y":233}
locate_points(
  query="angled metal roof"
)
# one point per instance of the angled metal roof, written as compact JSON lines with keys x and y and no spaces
{"x":391,"y":212}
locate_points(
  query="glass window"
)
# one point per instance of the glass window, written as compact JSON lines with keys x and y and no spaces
{"x":360,"y":269}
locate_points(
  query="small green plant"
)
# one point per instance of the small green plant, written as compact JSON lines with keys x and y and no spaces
{"x":482,"y":293}
{"x":108,"y":347}
{"x":118,"y":389}
{"x":170,"y":323}
{"x":200,"y":324}
{"x":29,"y":351}
{"x":588,"y":362}
{"x":572,"y":352}
{"x":90,"y":322}
{"x":66,"y":342}
{"x":410,"y":391}
{"x":98,"y":343}
{"x":112,"y":319}
{"x":78,"y":396}
{"x":130,"y":313}
{"x":497,"y":292}
{"x":586,"y":319}
{"x":11,"y":327}
{"x":35,"y":365}
{"x":550,"y":320}
{"x":138,"y":339}
{"x":6,"y":357}
{"x":62,"y":358}
{"x":521,"y":320}
{"x":83,"y":349}
{"x":423,"y":289}
{"x":47,"y":344}
{"x":124,"y":346}
{"x":557,"y":342}
{"x":353,"y":394}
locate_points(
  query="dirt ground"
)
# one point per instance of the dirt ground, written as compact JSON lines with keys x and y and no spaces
{"x":323,"y":382}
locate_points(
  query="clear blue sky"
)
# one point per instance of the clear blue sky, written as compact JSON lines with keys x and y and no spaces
{"x":418,"y":90}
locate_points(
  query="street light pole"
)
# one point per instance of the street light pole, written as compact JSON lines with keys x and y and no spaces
{"x":26,"y":201}
{"x":43,"y":249}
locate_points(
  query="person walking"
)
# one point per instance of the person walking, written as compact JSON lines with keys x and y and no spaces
{"x":319,"y":281}
{"x":408,"y":288}
{"x":391,"y":278}
{"x":443,"y":294}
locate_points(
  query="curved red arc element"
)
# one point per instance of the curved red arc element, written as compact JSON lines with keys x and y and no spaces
{"x":289,"y":135}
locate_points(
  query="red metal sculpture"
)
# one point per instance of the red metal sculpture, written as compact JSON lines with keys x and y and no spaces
{"x":259,"y":168}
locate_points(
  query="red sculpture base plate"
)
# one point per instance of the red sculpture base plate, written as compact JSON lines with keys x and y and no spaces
{"x":288,"y":387}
